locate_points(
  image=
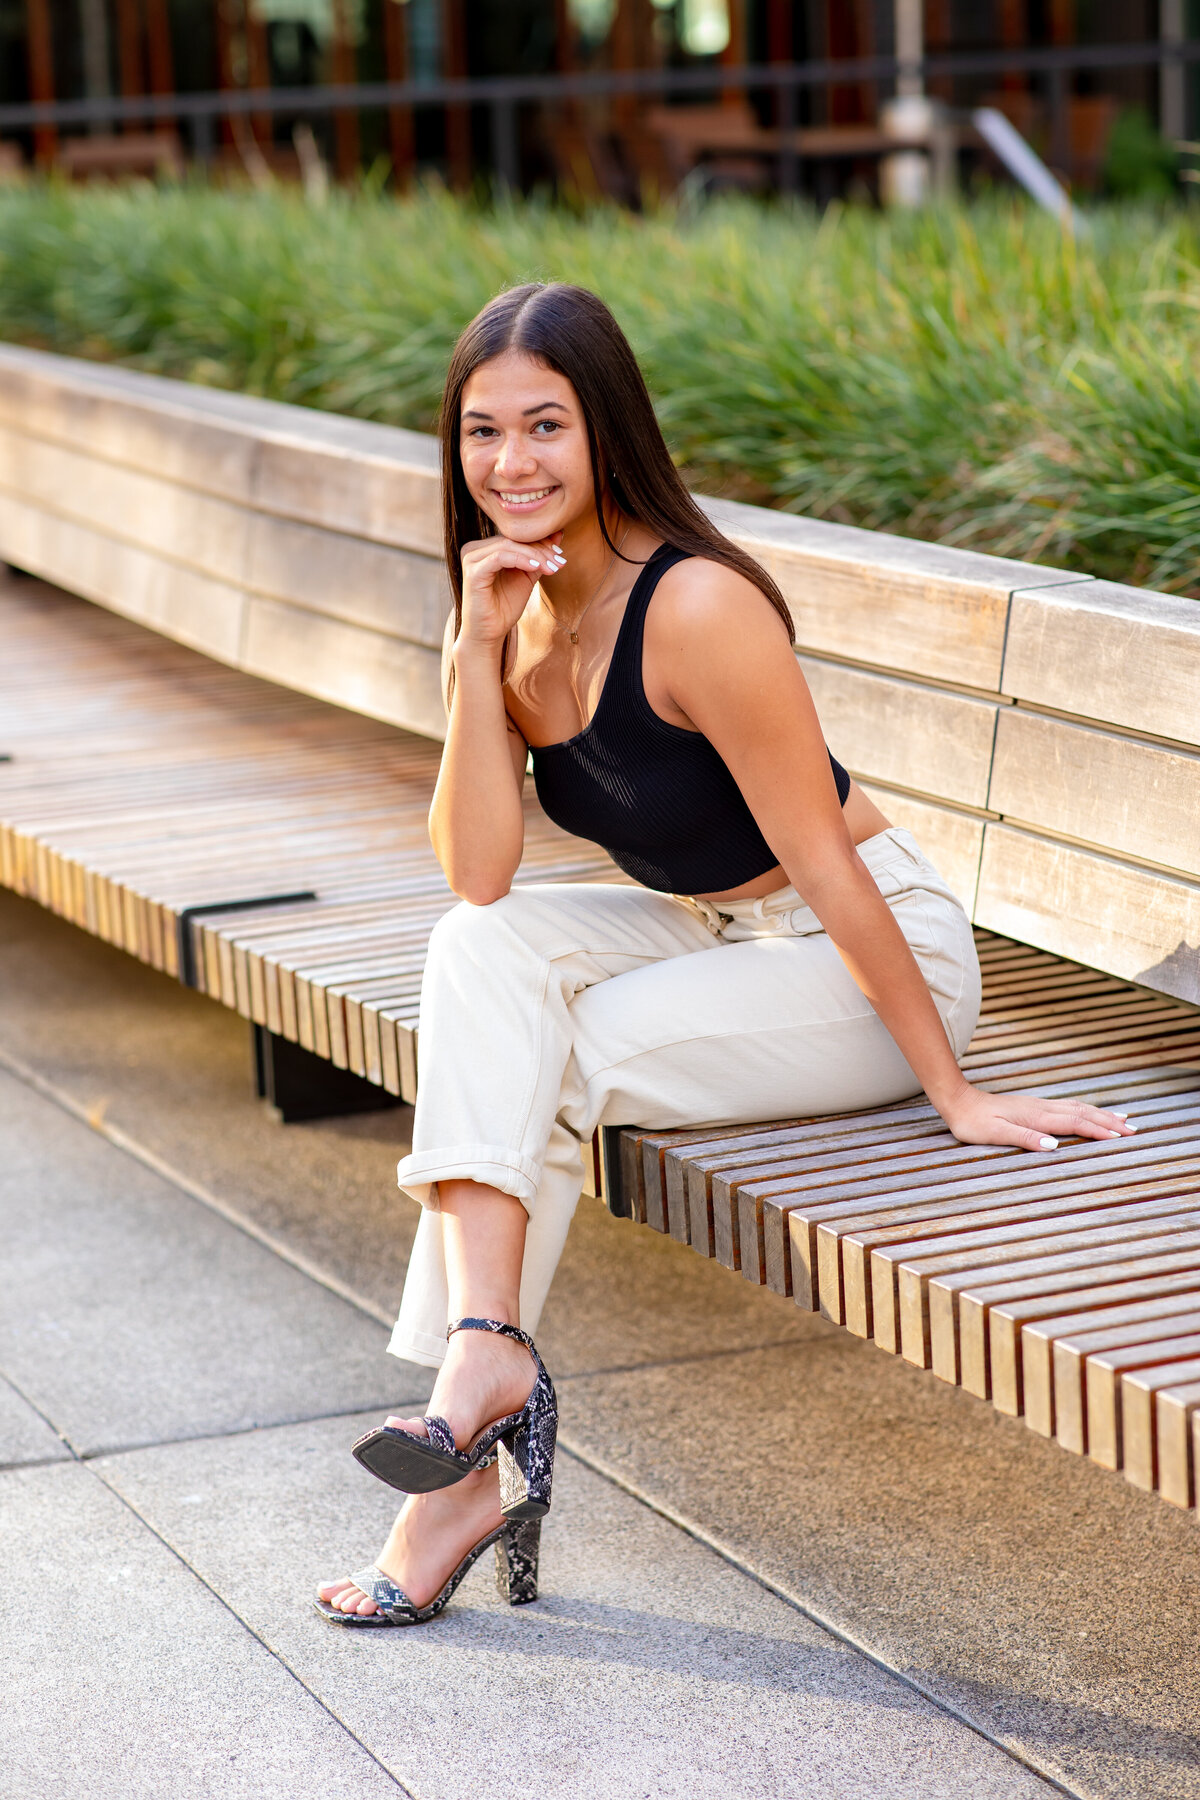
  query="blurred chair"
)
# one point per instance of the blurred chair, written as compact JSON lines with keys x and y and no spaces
{"x":119,"y":157}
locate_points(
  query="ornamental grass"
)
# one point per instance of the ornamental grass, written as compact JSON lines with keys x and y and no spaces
{"x":970,"y":374}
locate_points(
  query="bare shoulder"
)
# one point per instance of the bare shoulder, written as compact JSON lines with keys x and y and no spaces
{"x":703,"y":603}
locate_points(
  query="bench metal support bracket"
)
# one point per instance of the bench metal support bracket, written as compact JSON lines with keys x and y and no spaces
{"x":185,"y":938}
{"x":299,"y":1085}
{"x":617,"y":1172}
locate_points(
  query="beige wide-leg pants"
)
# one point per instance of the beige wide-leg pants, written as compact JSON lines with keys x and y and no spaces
{"x":564,"y":1007}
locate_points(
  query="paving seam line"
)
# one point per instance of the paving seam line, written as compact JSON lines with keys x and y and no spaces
{"x":140,"y":1153}
{"x":42,"y":1462}
{"x":254,"y":1633}
{"x":700,"y":1536}
{"x":221,"y":1435}
{"x":702,"y":1356}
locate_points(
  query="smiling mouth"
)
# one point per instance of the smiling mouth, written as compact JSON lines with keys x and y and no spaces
{"x":527,"y":497}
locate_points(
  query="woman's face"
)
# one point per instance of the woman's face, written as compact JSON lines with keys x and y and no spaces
{"x":524,"y":448}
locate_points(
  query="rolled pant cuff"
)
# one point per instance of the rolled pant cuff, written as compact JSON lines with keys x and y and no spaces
{"x":487,"y":1164}
{"x":420,"y":1347}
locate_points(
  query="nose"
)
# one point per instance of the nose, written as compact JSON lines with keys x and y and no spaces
{"x":516,"y":457}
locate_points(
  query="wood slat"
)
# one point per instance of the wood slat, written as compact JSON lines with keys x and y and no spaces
{"x":1141,"y":652}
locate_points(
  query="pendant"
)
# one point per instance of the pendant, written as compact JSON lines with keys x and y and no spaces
{"x":574,"y":637}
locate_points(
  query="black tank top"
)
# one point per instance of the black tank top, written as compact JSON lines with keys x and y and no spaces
{"x":658,"y":798}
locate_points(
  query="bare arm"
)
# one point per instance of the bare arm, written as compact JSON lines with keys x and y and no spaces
{"x":475,"y":822}
{"x":732,"y":673}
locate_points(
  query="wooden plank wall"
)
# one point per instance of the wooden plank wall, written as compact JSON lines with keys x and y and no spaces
{"x":1038,"y":731}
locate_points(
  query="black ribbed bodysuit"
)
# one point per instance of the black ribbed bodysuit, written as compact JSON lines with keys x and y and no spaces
{"x":658,"y":798}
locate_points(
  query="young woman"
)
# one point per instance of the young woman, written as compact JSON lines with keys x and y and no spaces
{"x":785,"y":950}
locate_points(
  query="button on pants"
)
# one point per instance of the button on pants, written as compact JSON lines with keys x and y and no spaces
{"x":563,"y":1007}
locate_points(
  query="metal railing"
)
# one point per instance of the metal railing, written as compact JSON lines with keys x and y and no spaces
{"x":503,"y":95}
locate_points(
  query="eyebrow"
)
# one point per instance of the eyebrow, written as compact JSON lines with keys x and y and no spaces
{"x":542,"y":406}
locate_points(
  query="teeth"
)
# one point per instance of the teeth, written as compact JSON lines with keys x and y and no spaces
{"x":518,"y":499}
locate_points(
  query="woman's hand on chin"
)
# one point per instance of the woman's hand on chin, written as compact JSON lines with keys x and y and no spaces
{"x":498,"y":577}
{"x":1027,"y":1121}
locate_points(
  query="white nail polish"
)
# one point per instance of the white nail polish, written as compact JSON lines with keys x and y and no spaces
{"x":1049,"y":1143}
{"x":1118,"y":1115}
{"x":533,"y":563}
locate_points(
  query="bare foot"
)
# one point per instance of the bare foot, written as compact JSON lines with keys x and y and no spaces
{"x":432,"y":1534}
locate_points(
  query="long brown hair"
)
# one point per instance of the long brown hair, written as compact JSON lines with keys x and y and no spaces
{"x":572,"y":331}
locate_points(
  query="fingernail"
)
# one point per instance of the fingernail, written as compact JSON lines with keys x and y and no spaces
{"x":534,"y":563}
{"x":1049,"y":1143}
{"x":1118,"y":1115}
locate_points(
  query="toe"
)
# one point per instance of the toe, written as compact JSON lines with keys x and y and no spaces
{"x":345,"y":1596}
{"x":415,"y":1426}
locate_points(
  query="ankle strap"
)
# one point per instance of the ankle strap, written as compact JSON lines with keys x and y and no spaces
{"x":497,"y":1325}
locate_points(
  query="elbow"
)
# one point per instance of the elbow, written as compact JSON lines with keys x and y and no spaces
{"x":478,"y":891}
{"x":479,"y":880}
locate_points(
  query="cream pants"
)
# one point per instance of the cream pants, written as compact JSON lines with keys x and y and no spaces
{"x":566,"y":1006}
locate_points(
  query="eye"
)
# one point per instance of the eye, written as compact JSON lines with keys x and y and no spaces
{"x":551,"y":424}
{"x":481,"y":431}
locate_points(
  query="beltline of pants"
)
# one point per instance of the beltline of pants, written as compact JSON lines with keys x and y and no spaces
{"x":564,"y":1007}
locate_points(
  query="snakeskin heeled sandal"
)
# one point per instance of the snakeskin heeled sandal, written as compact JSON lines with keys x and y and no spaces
{"x":523,"y":1444}
{"x":517,"y":1543}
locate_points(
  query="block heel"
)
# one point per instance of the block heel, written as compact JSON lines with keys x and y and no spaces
{"x":517,"y":1561}
{"x":526,"y":1456}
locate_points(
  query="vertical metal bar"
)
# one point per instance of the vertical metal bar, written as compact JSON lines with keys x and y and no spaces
{"x":734,"y":55}
{"x":345,"y":120}
{"x":203,"y":138}
{"x":780,"y":45}
{"x":224,"y":18}
{"x":401,"y":132}
{"x":939,"y":35}
{"x":258,"y":70}
{"x":1060,"y":137}
{"x":93,"y":22}
{"x":129,"y":54}
{"x":789,"y":161}
{"x":623,"y":47}
{"x":1172,"y":87}
{"x":910,"y":46}
{"x":458,"y":116}
{"x":161,"y":60}
{"x":40,"y":50}
{"x":1014,"y":33}
{"x":506,"y":159}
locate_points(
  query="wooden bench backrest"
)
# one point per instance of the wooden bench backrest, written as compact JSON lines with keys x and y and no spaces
{"x":1039,"y":731}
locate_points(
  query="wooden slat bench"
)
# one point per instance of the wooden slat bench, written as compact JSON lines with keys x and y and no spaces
{"x":1037,"y":730}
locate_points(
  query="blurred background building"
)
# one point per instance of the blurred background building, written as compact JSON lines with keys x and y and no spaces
{"x":613,"y":97}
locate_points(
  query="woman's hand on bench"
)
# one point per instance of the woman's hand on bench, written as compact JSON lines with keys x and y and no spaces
{"x":1027,"y":1121}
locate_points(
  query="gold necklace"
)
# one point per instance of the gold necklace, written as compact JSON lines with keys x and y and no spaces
{"x":574,"y":631}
